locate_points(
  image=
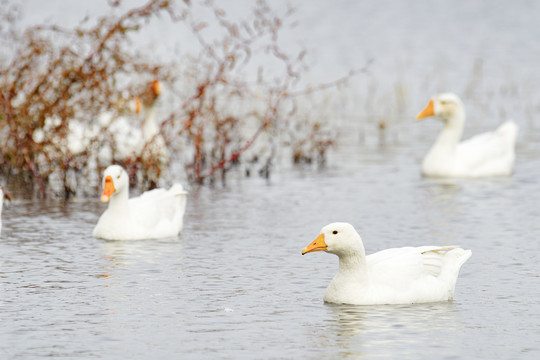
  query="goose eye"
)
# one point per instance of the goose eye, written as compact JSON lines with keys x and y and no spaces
{"x":118,"y":177}
{"x":443,"y":102}
{"x":334,"y":232}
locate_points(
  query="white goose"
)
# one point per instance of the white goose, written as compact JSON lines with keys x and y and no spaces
{"x":77,"y":140}
{"x":124,"y":139}
{"x":128,"y":140}
{"x":155,"y":214}
{"x":393,"y":276}
{"x":153,"y":142}
{"x":81,"y":135}
{"x":488,"y":154}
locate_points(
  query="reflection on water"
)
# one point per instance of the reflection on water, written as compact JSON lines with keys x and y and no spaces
{"x":440,"y":190}
{"x":123,"y":254}
{"x":234,"y":284}
{"x":144,"y":264}
{"x":413,"y":331}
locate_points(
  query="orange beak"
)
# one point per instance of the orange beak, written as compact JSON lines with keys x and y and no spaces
{"x":156,"y":87}
{"x":138,"y":105}
{"x":108,"y":189}
{"x":428,"y":111}
{"x":317,"y":245}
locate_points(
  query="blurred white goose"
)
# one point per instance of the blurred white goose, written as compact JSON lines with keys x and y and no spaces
{"x":81,"y":135}
{"x":128,"y":140}
{"x":77,"y":140}
{"x":394,"y":276}
{"x":487,"y":154}
{"x":153,"y":143}
{"x":124,"y":138}
{"x":155,"y":214}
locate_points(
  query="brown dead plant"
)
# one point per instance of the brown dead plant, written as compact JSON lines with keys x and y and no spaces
{"x":235,"y":97}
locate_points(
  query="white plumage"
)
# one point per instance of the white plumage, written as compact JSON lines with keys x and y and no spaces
{"x":156,"y":213}
{"x":119,"y":135}
{"x":129,"y":140}
{"x":393,"y":276}
{"x":488,"y":154}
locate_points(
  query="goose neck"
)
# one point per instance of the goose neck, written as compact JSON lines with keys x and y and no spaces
{"x":352,"y":262}
{"x":453,"y":130}
{"x":118,"y":202}
{"x":149,"y":125}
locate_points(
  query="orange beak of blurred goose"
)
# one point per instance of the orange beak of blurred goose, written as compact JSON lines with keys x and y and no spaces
{"x":428,"y":111}
{"x":108,"y":189}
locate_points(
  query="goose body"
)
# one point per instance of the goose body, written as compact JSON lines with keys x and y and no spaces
{"x":487,"y":154}
{"x":77,"y":140}
{"x":394,"y":276}
{"x":80,"y":136}
{"x":124,"y":139}
{"x":118,"y":133}
{"x":156,"y":213}
{"x":153,"y":144}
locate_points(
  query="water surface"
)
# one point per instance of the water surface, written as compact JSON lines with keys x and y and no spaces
{"x":233,"y":285}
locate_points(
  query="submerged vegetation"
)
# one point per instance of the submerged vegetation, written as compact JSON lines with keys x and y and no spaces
{"x":67,"y":94}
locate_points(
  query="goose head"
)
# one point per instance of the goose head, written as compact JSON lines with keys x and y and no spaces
{"x":337,"y":238}
{"x":115,"y":180}
{"x":446,"y":106}
{"x":148,"y":97}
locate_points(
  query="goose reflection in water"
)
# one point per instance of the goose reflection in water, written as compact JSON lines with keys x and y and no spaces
{"x":392,"y":331}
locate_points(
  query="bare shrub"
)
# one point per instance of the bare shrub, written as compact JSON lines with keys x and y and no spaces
{"x":57,"y":75}
{"x":234,"y":98}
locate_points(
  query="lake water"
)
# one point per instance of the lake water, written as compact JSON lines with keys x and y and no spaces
{"x":235,"y":286}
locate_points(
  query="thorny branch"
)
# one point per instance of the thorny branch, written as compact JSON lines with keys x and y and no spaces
{"x":221,"y":115}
